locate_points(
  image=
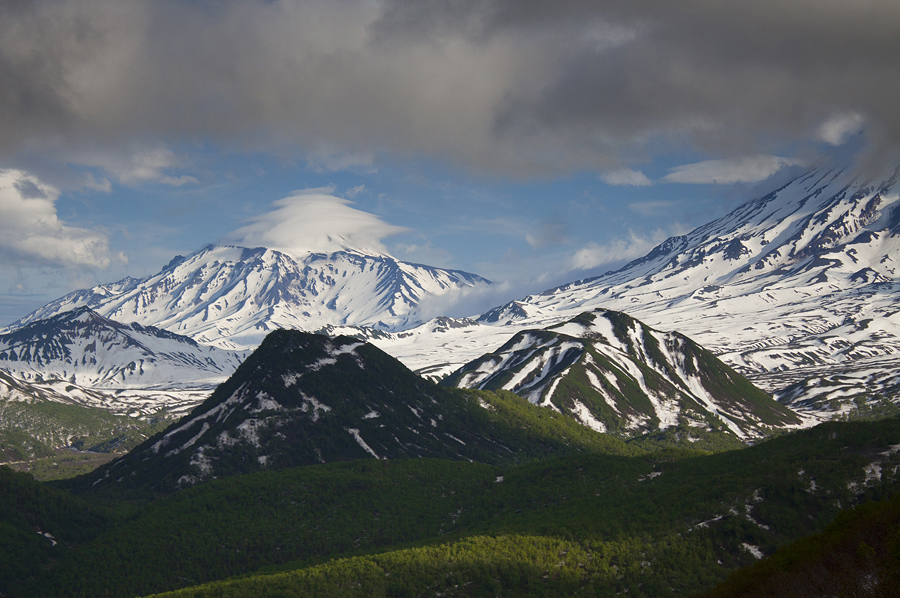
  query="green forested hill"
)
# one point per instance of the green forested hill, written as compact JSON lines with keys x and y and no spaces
{"x":38,"y":524}
{"x":857,"y":555}
{"x":303,"y":399}
{"x":589,"y":524}
{"x":614,"y":373}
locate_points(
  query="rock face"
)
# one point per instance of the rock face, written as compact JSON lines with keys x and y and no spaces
{"x":232,"y":297}
{"x":615,"y":374}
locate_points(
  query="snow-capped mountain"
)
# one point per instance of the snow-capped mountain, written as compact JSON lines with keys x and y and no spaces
{"x":799,"y":285}
{"x":796,"y":290}
{"x":803,"y":280}
{"x":614,"y":374}
{"x":82,"y":357}
{"x":232,"y":297}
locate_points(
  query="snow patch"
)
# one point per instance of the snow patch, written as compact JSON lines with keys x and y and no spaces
{"x":873,"y":472}
{"x":754,"y":550}
{"x":355,"y":433}
{"x":266,"y":403}
{"x":190,"y":442}
{"x":584,"y":415}
{"x":313,"y":404}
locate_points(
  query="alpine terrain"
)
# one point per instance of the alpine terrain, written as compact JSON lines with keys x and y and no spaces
{"x":81,"y":357}
{"x":615,"y":374}
{"x":304,"y":399}
{"x":798,"y":290}
{"x":231,"y":297}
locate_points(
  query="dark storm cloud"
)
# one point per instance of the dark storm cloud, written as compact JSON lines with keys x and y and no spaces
{"x":507,"y":86}
{"x":732,"y":76}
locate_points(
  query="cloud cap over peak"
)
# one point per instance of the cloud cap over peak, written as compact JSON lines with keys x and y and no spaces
{"x":314,"y":221}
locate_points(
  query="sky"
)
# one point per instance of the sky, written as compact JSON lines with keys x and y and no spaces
{"x":531,"y":142}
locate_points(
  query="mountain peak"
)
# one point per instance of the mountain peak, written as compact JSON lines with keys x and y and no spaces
{"x":231,"y":296}
{"x":614,"y":374}
{"x":800,"y":283}
{"x":304,"y":398}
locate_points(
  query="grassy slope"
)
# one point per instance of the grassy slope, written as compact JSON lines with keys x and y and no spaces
{"x":33,"y":430}
{"x":32,"y":435}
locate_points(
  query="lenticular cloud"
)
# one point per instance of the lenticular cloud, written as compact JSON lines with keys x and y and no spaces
{"x":313,"y":221}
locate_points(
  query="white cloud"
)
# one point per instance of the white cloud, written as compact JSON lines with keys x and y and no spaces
{"x":464,"y":302}
{"x":139,"y":164}
{"x":837,"y":129}
{"x":593,"y":255}
{"x":313,"y":220}
{"x":651,"y":208}
{"x":744,"y":169}
{"x":627,"y":177}
{"x":351,"y":193}
{"x":31,"y":233}
{"x":89,"y":182}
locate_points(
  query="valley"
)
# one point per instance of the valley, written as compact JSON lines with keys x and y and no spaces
{"x":255,"y":423}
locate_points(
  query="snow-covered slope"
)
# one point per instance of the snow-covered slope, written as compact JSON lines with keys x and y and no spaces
{"x":799,"y":284}
{"x":232,"y":296}
{"x":796,"y":290}
{"x":82,"y":357}
{"x":614,"y":374}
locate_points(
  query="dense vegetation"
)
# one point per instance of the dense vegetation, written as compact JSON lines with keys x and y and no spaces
{"x":857,"y":555}
{"x":38,"y":523}
{"x":667,"y":523}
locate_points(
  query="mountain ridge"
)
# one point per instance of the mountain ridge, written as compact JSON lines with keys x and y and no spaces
{"x":615,"y":374}
{"x":84,"y":358}
{"x":795,"y":289}
{"x":231,"y":296}
{"x":306,"y":399}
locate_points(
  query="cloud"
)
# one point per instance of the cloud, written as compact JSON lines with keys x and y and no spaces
{"x":31,"y":233}
{"x":549,"y":232}
{"x":744,"y":169}
{"x":626,"y":176}
{"x":492,"y":85}
{"x":837,"y":129}
{"x":594,"y":255}
{"x":351,"y":193}
{"x":464,"y":302}
{"x":313,"y":220}
{"x":139,"y":163}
